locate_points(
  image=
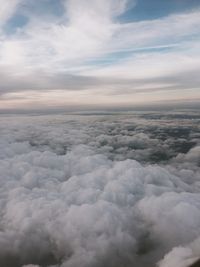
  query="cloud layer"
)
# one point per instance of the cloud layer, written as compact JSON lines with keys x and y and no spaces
{"x":71,"y":196}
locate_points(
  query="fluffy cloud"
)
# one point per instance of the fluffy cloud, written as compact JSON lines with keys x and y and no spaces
{"x":182,"y":256}
{"x":66,"y":201}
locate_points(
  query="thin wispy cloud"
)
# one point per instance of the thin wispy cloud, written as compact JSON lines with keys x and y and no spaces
{"x":86,"y":45}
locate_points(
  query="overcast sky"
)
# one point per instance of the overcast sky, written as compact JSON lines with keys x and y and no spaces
{"x":98,"y":52}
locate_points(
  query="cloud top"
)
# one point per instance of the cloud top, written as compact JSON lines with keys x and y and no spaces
{"x":67,"y":202}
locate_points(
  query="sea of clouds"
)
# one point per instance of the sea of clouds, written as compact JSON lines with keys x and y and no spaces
{"x":100,"y":190}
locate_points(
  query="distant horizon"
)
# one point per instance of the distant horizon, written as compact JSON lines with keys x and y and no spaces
{"x":151,"y":107}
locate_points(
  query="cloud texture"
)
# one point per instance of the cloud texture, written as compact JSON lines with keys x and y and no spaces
{"x":68,"y":200}
{"x":49,"y":50}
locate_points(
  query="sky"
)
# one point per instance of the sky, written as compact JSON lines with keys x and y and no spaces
{"x":96,"y":53}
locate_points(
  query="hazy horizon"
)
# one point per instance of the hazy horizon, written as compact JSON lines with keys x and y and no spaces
{"x":161,"y":106}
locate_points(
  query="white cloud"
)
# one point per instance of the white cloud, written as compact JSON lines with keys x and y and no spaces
{"x":7,"y":9}
{"x":63,"y":203}
{"x":182,"y":256}
{"x":90,"y":31}
{"x":85,"y":36}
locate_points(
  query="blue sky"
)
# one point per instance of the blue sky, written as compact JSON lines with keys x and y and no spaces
{"x":154,"y":9}
{"x":99,"y":52}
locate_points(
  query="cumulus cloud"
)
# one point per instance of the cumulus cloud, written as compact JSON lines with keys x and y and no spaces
{"x":66,"y":200}
{"x":192,"y":156}
{"x":182,"y":256}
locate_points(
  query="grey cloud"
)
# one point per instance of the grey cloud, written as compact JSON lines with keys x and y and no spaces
{"x":42,"y":81}
{"x":72,"y":193}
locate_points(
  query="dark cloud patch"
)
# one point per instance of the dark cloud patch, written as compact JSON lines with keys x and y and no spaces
{"x":196,"y":264}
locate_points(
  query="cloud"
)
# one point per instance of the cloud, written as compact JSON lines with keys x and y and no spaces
{"x":115,"y":59}
{"x":80,"y":199}
{"x":182,"y":256}
{"x":7,"y":9}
